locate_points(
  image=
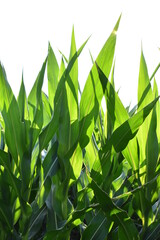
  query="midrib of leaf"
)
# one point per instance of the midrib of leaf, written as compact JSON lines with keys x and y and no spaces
{"x":45,"y":178}
{"x":10,"y":227}
{"x":152,"y":232}
{"x":92,"y":96}
{"x":123,"y":226}
{"x":44,"y":208}
{"x":98,"y":228}
{"x":52,"y":117}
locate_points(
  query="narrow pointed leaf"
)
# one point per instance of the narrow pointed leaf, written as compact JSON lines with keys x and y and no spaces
{"x":36,"y":107}
{"x":51,"y":128}
{"x":93,"y":90}
{"x":22,"y":102}
{"x":14,"y":129}
{"x":147,"y":138}
{"x":52,"y":73}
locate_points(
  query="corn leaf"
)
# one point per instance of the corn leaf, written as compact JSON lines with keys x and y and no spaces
{"x":93,"y":90}
{"x":98,"y":228}
{"x":14,"y":182}
{"x":48,"y":170}
{"x":121,"y":136}
{"x":52,"y":73}
{"x":117,"y":115}
{"x":14,"y":130}
{"x":51,"y":128}
{"x":147,"y":137}
{"x":127,"y":229}
{"x":36,"y":221}
{"x":24,"y":113}
{"x":22,"y":102}
{"x":68,"y":123}
{"x":36,"y":107}
{"x":47,"y":112}
{"x":6,"y":212}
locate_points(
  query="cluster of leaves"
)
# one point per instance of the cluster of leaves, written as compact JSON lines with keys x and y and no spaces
{"x":69,"y":170}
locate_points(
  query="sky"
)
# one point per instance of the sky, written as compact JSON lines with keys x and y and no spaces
{"x":26,"y":27}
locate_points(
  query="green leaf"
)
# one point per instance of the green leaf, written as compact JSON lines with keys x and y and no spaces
{"x":117,"y":115}
{"x":68,"y":120}
{"x":36,"y":107}
{"x":47,"y":112}
{"x":151,"y":153}
{"x":62,"y":69}
{"x":68,"y":127}
{"x":130,"y":127}
{"x":93,"y":90}
{"x":98,"y":228}
{"x":14,"y":130}
{"x":145,"y":94}
{"x":147,"y":138}
{"x":90,"y":155}
{"x":22,"y":102}
{"x":121,"y":136}
{"x":127,"y":229}
{"x":36,"y":221}
{"x":48,"y":170}
{"x":155,"y":91}
{"x":51,"y":128}
{"x":152,"y":232}
{"x":6,"y":213}
{"x":52,"y":73}
{"x":24,"y":113}
{"x":76,"y":162}
{"x":14,"y":182}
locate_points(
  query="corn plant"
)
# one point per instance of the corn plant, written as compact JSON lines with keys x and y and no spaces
{"x":72,"y":169}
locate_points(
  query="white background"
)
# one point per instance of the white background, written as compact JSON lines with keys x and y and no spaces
{"x":26,"y":27}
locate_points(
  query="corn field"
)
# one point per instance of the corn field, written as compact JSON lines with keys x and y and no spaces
{"x":72,"y":169}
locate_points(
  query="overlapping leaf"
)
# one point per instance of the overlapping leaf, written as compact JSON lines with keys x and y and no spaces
{"x":93,"y":90}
